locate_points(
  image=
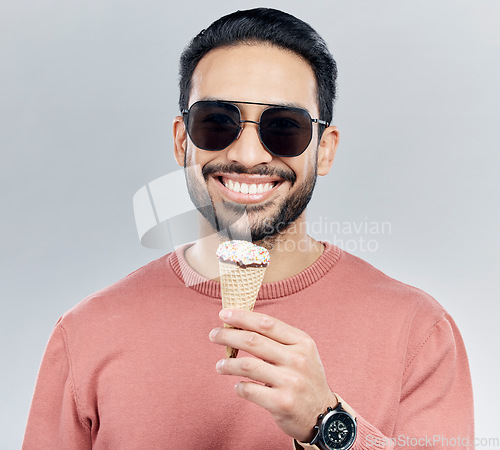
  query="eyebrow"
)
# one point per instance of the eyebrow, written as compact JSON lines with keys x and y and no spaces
{"x":282,"y":104}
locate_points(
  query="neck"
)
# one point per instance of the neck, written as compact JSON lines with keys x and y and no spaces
{"x":291,"y":252}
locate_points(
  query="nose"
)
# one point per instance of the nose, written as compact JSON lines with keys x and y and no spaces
{"x":247,"y":148}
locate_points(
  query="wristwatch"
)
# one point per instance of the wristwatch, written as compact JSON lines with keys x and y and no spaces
{"x":335,"y":430}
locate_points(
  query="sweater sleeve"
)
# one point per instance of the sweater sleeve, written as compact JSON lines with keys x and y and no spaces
{"x":436,"y":405}
{"x":53,"y":420}
{"x":436,"y":402}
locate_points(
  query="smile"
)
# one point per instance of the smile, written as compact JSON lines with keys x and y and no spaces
{"x":241,"y":188}
{"x":245,"y":188}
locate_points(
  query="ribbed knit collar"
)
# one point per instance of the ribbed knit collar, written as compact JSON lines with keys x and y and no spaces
{"x":267,"y":291}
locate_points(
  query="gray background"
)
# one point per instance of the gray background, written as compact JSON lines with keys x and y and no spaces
{"x":87,"y":97}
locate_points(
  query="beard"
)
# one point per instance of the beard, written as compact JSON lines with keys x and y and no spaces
{"x":248,"y":221}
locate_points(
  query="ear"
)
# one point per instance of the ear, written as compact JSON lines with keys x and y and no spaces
{"x":180,"y":141}
{"x":326,"y":149}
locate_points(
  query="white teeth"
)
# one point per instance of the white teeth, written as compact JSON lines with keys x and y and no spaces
{"x":245,"y":188}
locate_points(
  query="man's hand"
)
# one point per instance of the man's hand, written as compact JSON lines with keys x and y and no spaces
{"x":286,"y":376}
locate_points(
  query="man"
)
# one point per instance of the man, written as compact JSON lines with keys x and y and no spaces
{"x":138,"y":365}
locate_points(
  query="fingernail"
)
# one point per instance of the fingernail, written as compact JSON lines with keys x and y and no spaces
{"x":225,"y":314}
{"x":219,"y":365}
{"x":213,"y":333}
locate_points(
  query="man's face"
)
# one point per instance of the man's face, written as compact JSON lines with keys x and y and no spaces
{"x":278,"y":188}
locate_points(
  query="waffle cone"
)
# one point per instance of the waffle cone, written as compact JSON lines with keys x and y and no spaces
{"x":239,"y":287}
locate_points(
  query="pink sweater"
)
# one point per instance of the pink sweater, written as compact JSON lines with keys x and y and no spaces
{"x":131,"y":367}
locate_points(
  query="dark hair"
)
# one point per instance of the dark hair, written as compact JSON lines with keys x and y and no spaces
{"x":269,"y":26}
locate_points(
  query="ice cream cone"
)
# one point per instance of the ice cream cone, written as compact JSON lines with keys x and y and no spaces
{"x":240,"y":287}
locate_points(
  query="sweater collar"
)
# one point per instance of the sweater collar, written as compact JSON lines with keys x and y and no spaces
{"x":268,"y":291}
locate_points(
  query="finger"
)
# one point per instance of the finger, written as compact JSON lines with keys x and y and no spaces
{"x":263,"y":324}
{"x":252,"y":368}
{"x":254,"y":343}
{"x":262,"y":395}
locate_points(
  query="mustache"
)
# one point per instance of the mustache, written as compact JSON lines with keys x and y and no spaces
{"x":210,"y":169}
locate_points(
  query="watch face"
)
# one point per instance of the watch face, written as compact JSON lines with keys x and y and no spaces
{"x":339,"y":431}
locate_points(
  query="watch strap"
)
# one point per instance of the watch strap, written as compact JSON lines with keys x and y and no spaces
{"x":305,"y":445}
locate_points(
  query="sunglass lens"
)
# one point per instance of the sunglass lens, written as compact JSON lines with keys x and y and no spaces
{"x":213,"y":125}
{"x":286,"y":131}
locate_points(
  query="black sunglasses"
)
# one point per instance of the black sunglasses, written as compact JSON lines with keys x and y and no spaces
{"x":283,"y":130}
